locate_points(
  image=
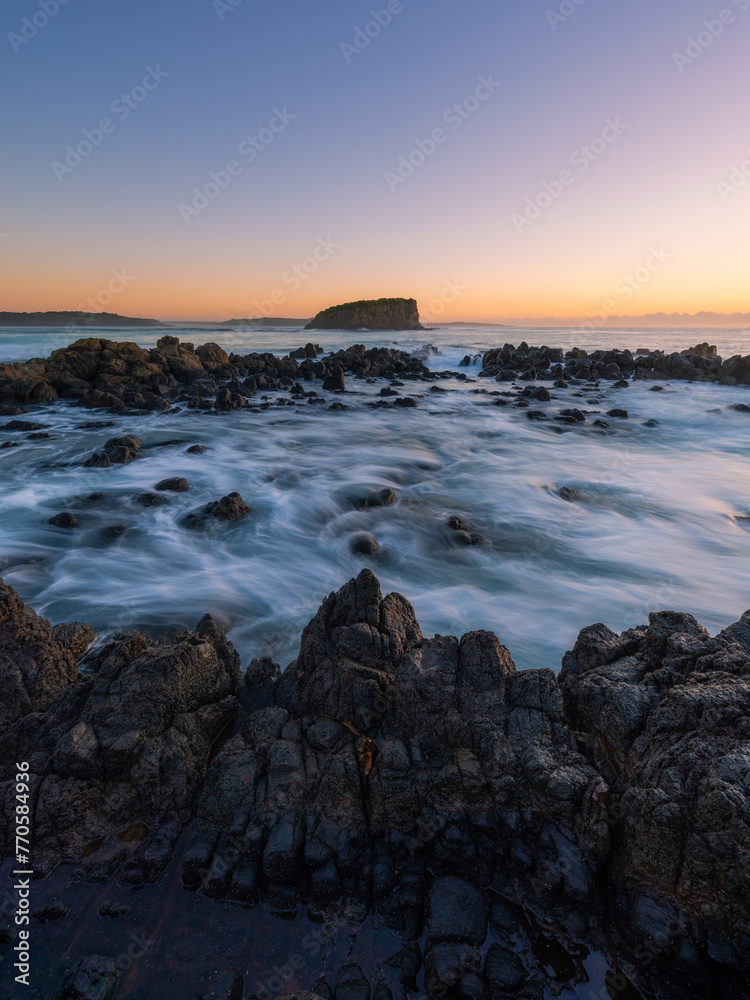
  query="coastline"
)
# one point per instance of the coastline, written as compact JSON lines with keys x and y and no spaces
{"x":453,"y":819}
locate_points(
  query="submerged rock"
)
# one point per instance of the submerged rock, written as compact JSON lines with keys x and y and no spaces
{"x":64,"y":520}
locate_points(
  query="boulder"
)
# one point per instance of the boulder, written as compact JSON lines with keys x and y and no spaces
{"x":36,"y":663}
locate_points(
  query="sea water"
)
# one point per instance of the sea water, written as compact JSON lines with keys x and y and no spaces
{"x":658,"y":522}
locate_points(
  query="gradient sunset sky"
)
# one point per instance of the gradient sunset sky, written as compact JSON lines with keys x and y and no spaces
{"x":648,"y":203}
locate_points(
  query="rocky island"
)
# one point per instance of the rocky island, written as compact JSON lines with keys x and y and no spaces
{"x":369,"y":314}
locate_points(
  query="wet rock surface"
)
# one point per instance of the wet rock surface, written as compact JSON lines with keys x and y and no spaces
{"x":448,"y":825}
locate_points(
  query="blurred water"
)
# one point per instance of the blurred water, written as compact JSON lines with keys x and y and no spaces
{"x":20,"y":344}
{"x":657,"y":526}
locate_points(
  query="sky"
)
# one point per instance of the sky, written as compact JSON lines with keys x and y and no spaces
{"x":212,"y":159}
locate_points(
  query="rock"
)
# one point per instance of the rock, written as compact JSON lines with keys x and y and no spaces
{"x":365,"y":545}
{"x":666,"y":707}
{"x":418,"y":786}
{"x":541,"y":394}
{"x":35,"y":666}
{"x":57,"y":910}
{"x":92,"y":978}
{"x":458,"y":911}
{"x":703,"y":350}
{"x":74,"y":637}
{"x":22,"y":425}
{"x":64,"y":520}
{"x":226,"y":400}
{"x":127,"y":744}
{"x":571,"y":416}
{"x":379,"y":314}
{"x":151,"y":499}
{"x":334,"y":381}
{"x":352,"y":984}
{"x":117,"y":451}
{"x":114,"y":910}
{"x":213,"y":358}
{"x":622,"y":414}
{"x":457,"y":523}
{"x":196,"y":449}
{"x":229,"y":508}
{"x":377,"y":498}
{"x":569,"y":494}
{"x":176,"y":485}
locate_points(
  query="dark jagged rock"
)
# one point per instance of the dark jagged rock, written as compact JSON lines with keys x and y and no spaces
{"x":175,"y":485}
{"x":498,"y":825}
{"x":36,"y":664}
{"x":116,"y":451}
{"x":372,"y":314}
{"x":128,"y":743}
{"x":334,"y":381}
{"x":92,"y":978}
{"x":22,"y":425}
{"x":666,"y":709}
{"x":230,"y":508}
{"x":699,"y":363}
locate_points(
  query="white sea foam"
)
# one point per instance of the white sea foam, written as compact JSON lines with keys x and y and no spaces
{"x":656,"y":526}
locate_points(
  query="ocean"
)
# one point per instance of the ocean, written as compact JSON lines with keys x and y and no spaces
{"x":661,"y":520}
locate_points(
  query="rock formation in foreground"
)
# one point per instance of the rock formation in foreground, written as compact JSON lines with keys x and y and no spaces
{"x":369,"y":314}
{"x":476,"y":831}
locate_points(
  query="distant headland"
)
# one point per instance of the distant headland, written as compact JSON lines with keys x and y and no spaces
{"x":77,"y":319}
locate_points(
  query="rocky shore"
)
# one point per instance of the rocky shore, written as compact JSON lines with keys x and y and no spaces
{"x":121,"y":377}
{"x":438,"y":821}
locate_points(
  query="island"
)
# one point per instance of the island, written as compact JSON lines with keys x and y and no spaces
{"x":72,"y":318}
{"x":369,"y":314}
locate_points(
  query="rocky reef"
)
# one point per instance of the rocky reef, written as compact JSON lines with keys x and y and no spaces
{"x":423,"y":817}
{"x":121,"y":376}
{"x":698,"y":364}
{"x":369,"y":314}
